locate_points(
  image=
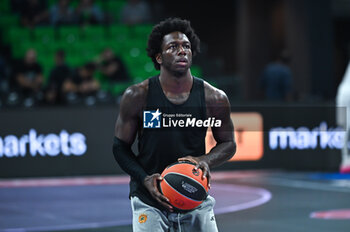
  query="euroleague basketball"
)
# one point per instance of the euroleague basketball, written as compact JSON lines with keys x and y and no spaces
{"x":183,"y":185}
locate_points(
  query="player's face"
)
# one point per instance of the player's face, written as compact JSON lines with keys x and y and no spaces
{"x":176,"y":53}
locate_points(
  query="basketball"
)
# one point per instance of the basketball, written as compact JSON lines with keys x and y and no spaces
{"x":183,"y":185}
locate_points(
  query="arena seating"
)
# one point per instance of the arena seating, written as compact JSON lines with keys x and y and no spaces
{"x":83,"y":44}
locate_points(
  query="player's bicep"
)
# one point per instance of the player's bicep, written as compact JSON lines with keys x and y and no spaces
{"x":125,"y":129}
{"x":127,"y":121}
{"x":222,"y":111}
{"x":225,"y":132}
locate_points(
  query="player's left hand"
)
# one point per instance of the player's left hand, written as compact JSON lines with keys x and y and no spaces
{"x":200,"y":163}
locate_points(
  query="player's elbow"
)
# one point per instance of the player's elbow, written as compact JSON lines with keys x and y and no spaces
{"x":120,"y":149}
{"x":115,"y":151}
{"x":232,"y":147}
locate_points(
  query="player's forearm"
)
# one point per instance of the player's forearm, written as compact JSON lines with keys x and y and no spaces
{"x":127,"y":160}
{"x":220,"y":153}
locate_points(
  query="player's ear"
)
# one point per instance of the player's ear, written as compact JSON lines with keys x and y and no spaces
{"x":159,"y":58}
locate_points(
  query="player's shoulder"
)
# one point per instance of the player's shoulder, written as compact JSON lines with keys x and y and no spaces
{"x":214,"y":95}
{"x":136,"y":92}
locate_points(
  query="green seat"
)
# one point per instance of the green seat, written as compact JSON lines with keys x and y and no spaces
{"x":93,"y":33}
{"x":74,"y":61}
{"x":140,"y":31}
{"x":118,"y":89}
{"x":149,"y":68}
{"x":140,"y":74}
{"x":116,"y":47}
{"x":17,"y":35}
{"x":103,"y":4}
{"x":5,"y":6}
{"x":146,"y":69}
{"x":69,"y":34}
{"x":113,"y":88}
{"x":52,"y":2}
{"x":19,"y":50}
{"x":139,"y":42}
{"x":43,"y":50}
{"x":118,"y":33}
{"x":9,"y":21}
{"x":55,"y":46}
{"x":87,"y":49}
{"x":86,"y":54}
{"x":61,"y":44}
{"x":73,"y":3}
{"x":196,"y":71}
{"x":45,"y":35}
{"x":114,"y":7}
{"x":135,"y":66}
{"x":136,"y":48}
{"x":47,"y":66}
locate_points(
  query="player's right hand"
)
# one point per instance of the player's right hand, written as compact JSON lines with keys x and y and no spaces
{"x":151,"y":184}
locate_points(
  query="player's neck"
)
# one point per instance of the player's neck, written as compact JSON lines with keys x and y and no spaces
{"x":176,"y":84}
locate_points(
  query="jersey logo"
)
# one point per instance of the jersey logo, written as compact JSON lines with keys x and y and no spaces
{"x":151,"y":118}
{"x":142,"y":218}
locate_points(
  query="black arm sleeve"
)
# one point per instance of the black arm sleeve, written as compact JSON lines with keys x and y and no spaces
{"x":127,"y":160}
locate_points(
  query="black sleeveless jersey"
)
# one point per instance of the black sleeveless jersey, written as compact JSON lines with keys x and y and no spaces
{"x":169,"y":132}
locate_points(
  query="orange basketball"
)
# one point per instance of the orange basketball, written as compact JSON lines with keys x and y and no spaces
{"x":183,"y":185}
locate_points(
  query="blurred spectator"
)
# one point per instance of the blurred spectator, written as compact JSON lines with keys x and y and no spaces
{"x":112,"y":68}
{"x":82,"y":84}
{"x":136,"y":12}
{"x":157,"y":9}
{"x":89,"y":13}
{"x":3,"y":80}
{"x":28,"y":79}
{"x":3,"y":75}
{"x":16,"y":6}
{"x":6,"y":69}
{"x":61,"y":13}
{"x":276,"y":79}
{"x":33,"y":13}
{"x":60,"y":72}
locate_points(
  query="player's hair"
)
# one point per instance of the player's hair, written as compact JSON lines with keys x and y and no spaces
{"x":165,"y":27}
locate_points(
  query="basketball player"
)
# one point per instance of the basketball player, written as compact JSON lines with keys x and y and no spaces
{"x":343,"y":119}
{"x":153,"y":110}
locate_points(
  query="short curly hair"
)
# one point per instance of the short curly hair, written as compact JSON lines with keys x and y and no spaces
{"x":165,"y":27}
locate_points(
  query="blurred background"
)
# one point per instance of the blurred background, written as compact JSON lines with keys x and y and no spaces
{"x":64,"y":65}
